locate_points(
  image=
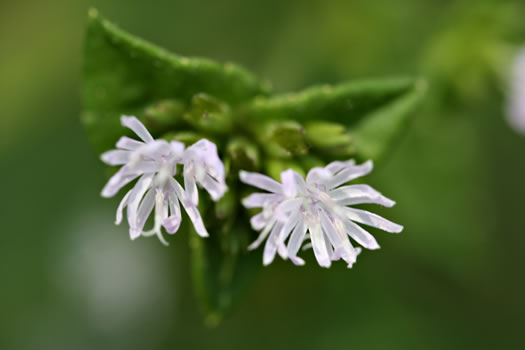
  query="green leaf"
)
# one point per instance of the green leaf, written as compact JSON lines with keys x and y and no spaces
{"x":375,"y":134}
{"x":124,"y":74}
{"x":360,"y":106}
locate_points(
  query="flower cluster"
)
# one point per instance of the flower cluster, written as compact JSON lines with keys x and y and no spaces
{"x":313,"y":212}
{"x":154,"y":163}
{"x":316,"y":210}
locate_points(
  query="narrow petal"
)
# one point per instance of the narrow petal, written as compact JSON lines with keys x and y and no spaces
{"x":190,"y":187}
{"x":143,"y":167}
{"x":117,"y":181}
{"x":350,"y":173}
{"x":285,"y":233}
{"x":329,"y":229}
{"x":215,"y":188}
{"x":296,"y":239}
{"x":144,"y":210}
{"x":359,"y":194}
{"x":262,"y":236}
{"x":258,"y":221}
{"x":289,"y":185}
{"x":342,"y":246}
{"x":318,"y":244}
{"x":287,"y":208}
{"x":121,"y":207}
{"x":336,"y":166}
{"x":370,"y":219}
{"x":259,"y":200}
{"x":190,"y":209}
{"x":360,"y":235}
{"x":270,"y":247}
{"x":138,"y":128}
{"x":319,"y":176}
{"x":260,"y":181}
{"x":172,"y":223}
{"x":126,"y":143}
{"x":137,"y":193}
{"x":177,"y":147}
{"x":115,"y":157}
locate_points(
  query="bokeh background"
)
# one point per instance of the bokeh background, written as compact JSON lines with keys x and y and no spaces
{"x":453,"y":279}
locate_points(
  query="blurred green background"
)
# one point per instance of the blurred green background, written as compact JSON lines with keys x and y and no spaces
{"x":454,"y":278}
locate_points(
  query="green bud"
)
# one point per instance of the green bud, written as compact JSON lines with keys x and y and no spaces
{"x":327,"y":134}
{"x":284,"y":139}
{"x":186,"y":137}
{"x":208,"y":114}
{"x":242,"y":155}
{"x":274,"y":167}
{"x":164,"y":114}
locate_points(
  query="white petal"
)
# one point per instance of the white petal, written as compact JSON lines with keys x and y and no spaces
{"x":350,"y":173}
{"x":172,"y":223}
{"x":215,"y":188}
{"x":137,"y":193}
{"x":359,"y":194}
{"x":285,"y":232}
{"x":289,"y":185}
{"x":144,"y":210}
{"x":190,"y":187}
{"x":357,"y":251}
{"x":121,"y":207}
{"x":138,"y":128}
{"x":297,"y":260}
{"x":287,"y":208}
{"x":262,"y":236}
{"x":258,"y":221}
{"x":335,"y":233}
{"x":260,"y":181}
{"x":177,"y":147}
{"x":115,"y":157}
{"x":270,"y":247}
{"x":330,"y":231}
{"x":259,"y":200}
{"x":120,"y":179}
{"x":128,"y":144}
{"x":370,"y":219}
{"x":318,"y":244}
{"x":296,"y":239}
{"x":360,"y":235}
{"x":319,"y":176}
{"x":143,"y":167}
{"x":190,"y":209}
{"x":516,"y":103}
{"x":153,"y":150}
{"x":337,"y":166}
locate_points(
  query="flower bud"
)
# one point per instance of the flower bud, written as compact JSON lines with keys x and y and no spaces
{"x":242,"y":155}
{"x":209,"y":114}
{"x":164,"y":114}
{"x":284,"y":139}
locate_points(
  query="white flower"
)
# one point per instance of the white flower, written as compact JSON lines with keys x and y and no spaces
{"x":202,"y":165}
{"x":516,"y":104}
{"x":155,"y":161}
{"x":316,"y":210}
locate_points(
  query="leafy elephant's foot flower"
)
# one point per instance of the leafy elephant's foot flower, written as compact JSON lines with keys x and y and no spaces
{"x":516,"y":104}
{"x":154,"y":162}
{"x":316,"y":210}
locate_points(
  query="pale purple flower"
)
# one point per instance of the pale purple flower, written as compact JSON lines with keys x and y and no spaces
{"x":154,"y":162}
{"x":317,"y":210}
{"x":516,"y":103}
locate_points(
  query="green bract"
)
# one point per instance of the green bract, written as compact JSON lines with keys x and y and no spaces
{"x":192,"y":98}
